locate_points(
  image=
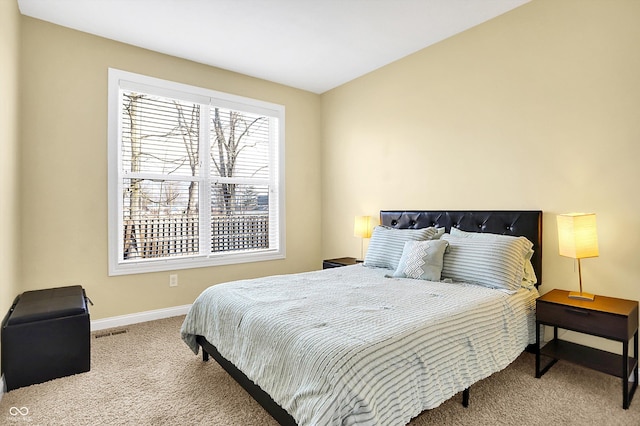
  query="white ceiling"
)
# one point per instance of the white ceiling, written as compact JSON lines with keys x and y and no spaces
{"x":314,"y":45}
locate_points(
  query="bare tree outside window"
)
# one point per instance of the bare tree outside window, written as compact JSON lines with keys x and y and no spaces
{"x":238,"y":153}
{"x":161,"y":138}
{"x":161,"y":142}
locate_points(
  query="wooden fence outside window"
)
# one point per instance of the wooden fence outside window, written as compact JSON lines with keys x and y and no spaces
{"x":173,"y":236}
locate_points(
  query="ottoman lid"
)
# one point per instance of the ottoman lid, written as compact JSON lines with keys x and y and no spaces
{"x":46,"y":304}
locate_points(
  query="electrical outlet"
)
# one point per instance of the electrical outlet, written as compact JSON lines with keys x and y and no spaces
{"x":173,"y":280}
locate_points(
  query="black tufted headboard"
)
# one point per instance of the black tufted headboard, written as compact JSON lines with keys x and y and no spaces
{"x":527,"y":223}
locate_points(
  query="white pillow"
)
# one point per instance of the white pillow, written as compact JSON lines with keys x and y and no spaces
{"x":491,"y":262}
{"x":529,"y":277}
{"x":421,"y":260}
{"x":386,"y":245}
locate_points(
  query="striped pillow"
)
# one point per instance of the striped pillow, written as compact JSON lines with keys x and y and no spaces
{"x":529,"y":279}
{"x":491,"y":262}
{"x":387,"y":244}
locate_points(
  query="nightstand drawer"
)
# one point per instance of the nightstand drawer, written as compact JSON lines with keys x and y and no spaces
{"x":601,"y":324}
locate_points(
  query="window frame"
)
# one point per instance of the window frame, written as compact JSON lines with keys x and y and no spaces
{"x":119,"y":80}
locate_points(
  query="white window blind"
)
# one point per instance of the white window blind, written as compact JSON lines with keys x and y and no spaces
{"x":195,"y":176}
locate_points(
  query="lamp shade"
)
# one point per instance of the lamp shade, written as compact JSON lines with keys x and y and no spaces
{"x":577,"y":235}
{"x":362,"y":227}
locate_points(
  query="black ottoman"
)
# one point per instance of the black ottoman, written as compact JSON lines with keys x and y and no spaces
{"x":46,"y":335}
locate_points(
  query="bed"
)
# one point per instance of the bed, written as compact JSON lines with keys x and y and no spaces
{"x":373,"y":344}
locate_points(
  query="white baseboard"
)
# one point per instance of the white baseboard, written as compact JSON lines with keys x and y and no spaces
{"x":122,"y":320}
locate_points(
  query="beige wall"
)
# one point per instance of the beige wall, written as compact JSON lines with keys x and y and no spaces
{"x":9,"y":200}
{"x":536,"y":109}
{"x":9,"y":142}
{"x":64,"y":169}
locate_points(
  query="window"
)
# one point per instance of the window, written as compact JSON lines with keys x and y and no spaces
{"x":195,"y":176}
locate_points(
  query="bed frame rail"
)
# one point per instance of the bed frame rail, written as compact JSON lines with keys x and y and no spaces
{"x":261,"y":397}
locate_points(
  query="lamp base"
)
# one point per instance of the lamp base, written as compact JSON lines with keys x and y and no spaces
{"x":581,"y":295}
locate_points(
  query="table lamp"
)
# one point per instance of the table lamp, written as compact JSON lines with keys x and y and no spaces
{"x":578,"y":239}
{"x":362,"y":229}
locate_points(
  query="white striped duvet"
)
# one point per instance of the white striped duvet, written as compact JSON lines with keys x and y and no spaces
{"x":349,"y":346}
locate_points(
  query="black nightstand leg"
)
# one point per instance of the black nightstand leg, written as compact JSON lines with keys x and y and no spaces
{"x":634,"y":386}
{"x":537,"y":349}
{"x":625,"y":375}
{"x":635,"y":370}
{"x":540,"y":372}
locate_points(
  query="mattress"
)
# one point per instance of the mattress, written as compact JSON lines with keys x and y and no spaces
{"x":352,"y":346}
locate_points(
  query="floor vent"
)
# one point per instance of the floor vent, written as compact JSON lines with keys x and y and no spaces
{"x":109,"y":333}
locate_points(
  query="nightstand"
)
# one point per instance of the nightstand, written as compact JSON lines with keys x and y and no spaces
{"x":338,"y":262}
{"x":608,"y":317}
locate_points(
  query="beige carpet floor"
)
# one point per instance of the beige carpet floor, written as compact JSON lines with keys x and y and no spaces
{"x":148,"y":376}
